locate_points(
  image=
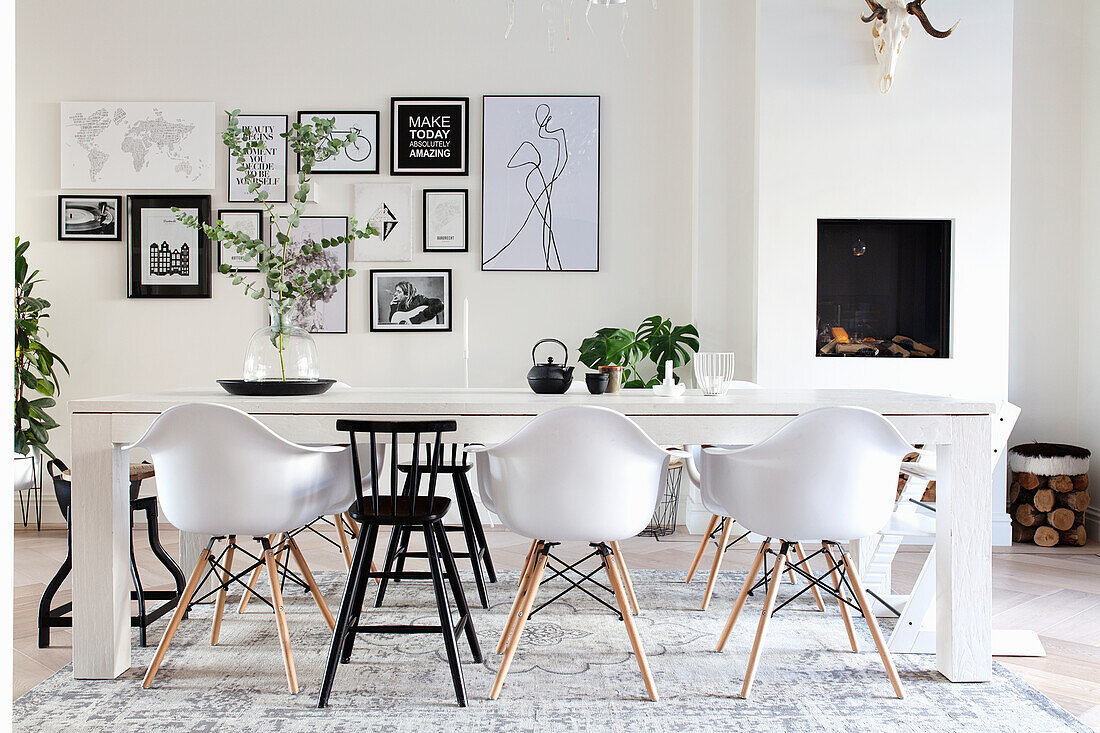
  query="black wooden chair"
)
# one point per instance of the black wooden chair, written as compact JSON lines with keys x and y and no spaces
{"x":470,"y":523}
{"x":49,"y":617}
{"x":403,"y":508}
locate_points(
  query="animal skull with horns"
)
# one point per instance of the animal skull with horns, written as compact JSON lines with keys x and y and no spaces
{"x":890,"y":28}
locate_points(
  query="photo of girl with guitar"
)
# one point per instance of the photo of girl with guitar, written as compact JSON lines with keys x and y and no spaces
{"x":410,"y":300}
{"x":407,"y":306}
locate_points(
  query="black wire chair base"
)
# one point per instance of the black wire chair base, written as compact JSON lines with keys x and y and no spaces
{"x":800,"y":568}
{"x":552,"y":565}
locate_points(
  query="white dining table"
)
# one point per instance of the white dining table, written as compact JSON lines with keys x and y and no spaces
{"x":958,"y":428}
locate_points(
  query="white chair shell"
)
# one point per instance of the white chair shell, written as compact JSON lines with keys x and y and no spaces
{"x":581,"y":473}
{"x":221,"y":471}
{"x":829,"y":474}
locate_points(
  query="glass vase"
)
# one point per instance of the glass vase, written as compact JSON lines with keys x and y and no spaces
{"x":281,"y":351}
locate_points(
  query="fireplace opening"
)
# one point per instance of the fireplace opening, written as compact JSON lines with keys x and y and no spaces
{"x":883,"y":288}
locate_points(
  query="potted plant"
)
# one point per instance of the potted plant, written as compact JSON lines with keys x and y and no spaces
{"x":655,"y":339}
{"x":282,"y":351}
{"x":36,"y":383}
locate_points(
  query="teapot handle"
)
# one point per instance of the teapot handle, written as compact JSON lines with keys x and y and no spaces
{"x":559,"y":343}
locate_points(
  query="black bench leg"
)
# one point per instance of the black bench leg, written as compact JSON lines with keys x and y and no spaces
{"x":51,"y":589}
{"x":479,"y":531}
{"x":472,"y":546}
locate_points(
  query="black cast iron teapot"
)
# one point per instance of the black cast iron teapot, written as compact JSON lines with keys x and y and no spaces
{"x":548,"y":377}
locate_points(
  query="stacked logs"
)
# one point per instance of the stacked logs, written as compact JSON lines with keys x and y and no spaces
{"x":1048,"y":509}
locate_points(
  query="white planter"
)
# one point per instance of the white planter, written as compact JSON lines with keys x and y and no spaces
{"x":26,"y":471}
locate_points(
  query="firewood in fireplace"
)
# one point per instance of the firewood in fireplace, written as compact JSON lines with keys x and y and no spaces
{"x":828,"y":348}
{"x":897,"y":350}
{"x":858,"y":349}
{"x":915,"y":347}
{"x":840,"y":335}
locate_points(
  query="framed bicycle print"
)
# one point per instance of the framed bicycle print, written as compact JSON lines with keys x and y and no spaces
{"x":359,"y":157}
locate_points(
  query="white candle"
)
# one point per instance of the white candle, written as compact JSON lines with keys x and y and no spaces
{"x":668,"y":372}
{"x":466,"y":328}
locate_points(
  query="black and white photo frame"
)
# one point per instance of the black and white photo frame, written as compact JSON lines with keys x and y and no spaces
{"x":410,"y":300}
{"x":89,"y":218}
{"x":540,"y":193}
{"x":429,"y":136}
{"x":246,"y":221}
{"x":267,"y":164}
{"x":359,"y":157}
{"x":167,"y":259}
{"x":446,"y":218}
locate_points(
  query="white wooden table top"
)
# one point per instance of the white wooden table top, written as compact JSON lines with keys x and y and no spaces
{"x":521,"y":401}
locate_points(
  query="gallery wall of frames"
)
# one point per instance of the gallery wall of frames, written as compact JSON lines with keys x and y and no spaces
{"x":539,"y":207}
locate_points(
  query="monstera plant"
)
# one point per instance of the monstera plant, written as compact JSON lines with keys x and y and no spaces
{"x":656,"y":339}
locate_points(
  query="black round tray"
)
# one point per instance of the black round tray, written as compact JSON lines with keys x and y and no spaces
{"x":276,"y":388}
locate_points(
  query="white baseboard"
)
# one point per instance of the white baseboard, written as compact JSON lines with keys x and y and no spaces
{"x":1092,"y":522}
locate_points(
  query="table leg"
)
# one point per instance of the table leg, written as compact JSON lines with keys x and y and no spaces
{"x":101,"y":564}
{"x":191,"y":546}
{"x":964,"y":553}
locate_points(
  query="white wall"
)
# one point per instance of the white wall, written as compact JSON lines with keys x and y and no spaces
{"x":724,"y":302}
{"x":831,"y":146}
{"x":1046,"y":220}
{"x":1088,"y":366}
{"x":369,"y":51}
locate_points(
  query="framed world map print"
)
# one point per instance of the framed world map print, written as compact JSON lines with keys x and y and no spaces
{"x":128,"y":145}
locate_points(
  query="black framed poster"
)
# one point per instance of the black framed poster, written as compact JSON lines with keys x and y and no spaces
{"x":167,"y":259}
{"x":248,"y":222}
{"x":361,"y":156}
{"x":89,"y":218}
{"x":429,"y":136}
{"x":410,"y":300}
{"x":267,"y":164}
{"x":446,"y":220}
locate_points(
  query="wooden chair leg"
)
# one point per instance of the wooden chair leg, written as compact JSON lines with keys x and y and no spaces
{"x":219,"y":605}
{"x":312,"y":583}
{"x":352,"y":525}
{"x":624,"y":574}
{"x":528,"y":566}
{"x":806,"y":566}
{"x":754,"y":569}
{"x":631,"y":628}
{"x":280,"y":618}
{"x":530,"y":590}
{"x":717,"y":565}
{"x":765,"y":616}
{"x":702,"y":548}
{"x":839,"y":586}
{"x":252,"y":582}
{"x":339,"y":522}
{"x":177,"y":616}
{"x":872,"y":623}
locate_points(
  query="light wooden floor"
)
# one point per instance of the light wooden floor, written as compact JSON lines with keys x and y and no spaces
{"x":1055,"y":592}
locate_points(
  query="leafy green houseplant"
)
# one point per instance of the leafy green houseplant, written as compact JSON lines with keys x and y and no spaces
{"x":287,"y":273}
{"x":655,"y":339}
{"x":35,"y":364}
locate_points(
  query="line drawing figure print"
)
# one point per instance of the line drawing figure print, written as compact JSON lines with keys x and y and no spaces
{"x":540,"y":187}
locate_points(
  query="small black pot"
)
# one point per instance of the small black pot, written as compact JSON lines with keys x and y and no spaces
{"x":597,"y":382}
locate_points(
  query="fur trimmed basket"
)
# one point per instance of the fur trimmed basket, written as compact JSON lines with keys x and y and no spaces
{"x":1049,"y":494}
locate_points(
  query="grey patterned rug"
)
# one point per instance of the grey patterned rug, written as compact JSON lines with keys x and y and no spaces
{"x":573,"y":671}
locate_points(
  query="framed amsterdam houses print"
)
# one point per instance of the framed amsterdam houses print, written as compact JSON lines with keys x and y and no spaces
{"x":167,"y":259}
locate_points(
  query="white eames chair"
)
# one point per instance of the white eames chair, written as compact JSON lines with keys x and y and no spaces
{"x":583,"y":473}
{"x":828,"y":476}
{"x":222,"y":473}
